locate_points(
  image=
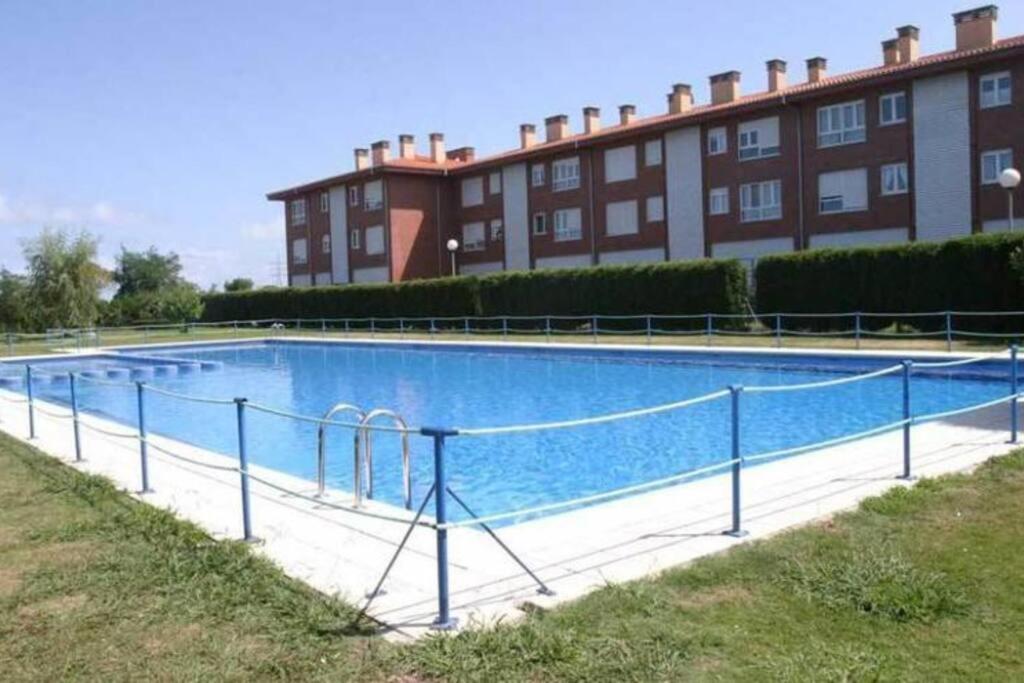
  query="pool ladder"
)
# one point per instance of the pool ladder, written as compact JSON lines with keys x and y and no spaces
{"x":362,"y":451}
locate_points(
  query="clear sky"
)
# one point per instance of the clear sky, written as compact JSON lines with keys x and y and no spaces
{"x":165,"y":123}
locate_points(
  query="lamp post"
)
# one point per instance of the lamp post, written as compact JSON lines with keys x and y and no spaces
{"x":1010,"y":179}
{"x":453,"y":245}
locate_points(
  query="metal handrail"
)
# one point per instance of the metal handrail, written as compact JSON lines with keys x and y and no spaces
{"x":367,"y":438}
{"x":321,"y":445}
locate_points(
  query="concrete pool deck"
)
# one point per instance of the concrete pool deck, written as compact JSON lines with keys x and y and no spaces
{"x":574,"y":552}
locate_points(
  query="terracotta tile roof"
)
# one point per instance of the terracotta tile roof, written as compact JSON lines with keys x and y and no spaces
{"x":697,"y":113}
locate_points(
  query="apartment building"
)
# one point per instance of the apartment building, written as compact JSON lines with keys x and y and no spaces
{"x":909,"y":149}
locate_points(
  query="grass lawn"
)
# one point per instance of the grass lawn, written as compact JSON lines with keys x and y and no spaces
{"x":920,"y":584}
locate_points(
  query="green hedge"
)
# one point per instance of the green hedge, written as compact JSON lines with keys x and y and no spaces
{"x":968,"y":274}
{"x":718,"y":286}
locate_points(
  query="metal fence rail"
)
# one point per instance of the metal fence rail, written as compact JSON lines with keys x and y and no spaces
{"x":440,"y":489}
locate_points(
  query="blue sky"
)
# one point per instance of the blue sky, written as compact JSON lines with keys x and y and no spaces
{"x":165,"y":123}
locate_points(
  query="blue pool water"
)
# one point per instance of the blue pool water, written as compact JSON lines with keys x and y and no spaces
{"x":465,"y":386}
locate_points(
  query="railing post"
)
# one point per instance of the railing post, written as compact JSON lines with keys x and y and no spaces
{"x":373,"y":328}
{"x":504,"y":327}
{"x":235,"y":327}
{"x":433,"y":329}
{"x":243,"y":471}
{"x":547,"y":327}
{"x":74,"y":417}
{"x":465,"y":326}
{"x":323,"y":327}
{"x":401,"y":327}
{"x":949,"y":331}
{"x":856,"y":329}
{"x":143,"y":450}
{"x":709,"y":328}
{"x":346,"y":327}
{"x":778,"y":331}
{"x":648,"y":329}
{"x":907,"y":366}
{"x":444,"y":620}
{"x":737,"y":465}
{"x":593,"y":328}
{"x":31,"y":403}
{"x":1014,"y":389}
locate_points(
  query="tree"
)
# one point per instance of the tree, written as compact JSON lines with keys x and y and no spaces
{"x":64,"y":281}
{"x":149,"y":271}
{"x":239,"y":284}
{"x":13,"y":301}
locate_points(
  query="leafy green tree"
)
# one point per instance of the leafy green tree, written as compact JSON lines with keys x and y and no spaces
{"x":64,"y":281}
{"x":239,"y":284}
{"x":13,"y":301}
{"x":146,"y":271}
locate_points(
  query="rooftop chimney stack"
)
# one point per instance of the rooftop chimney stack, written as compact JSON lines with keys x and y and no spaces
{"x":890,"y":52}
{"x":907,"y":43}
{"x":680,"y":99}
{"x":527,"y":135}
{"x":362,"y":158}
{"x":556,"y":127}
{"x":776,"y":75}
{"x":817,"y":68}
{"x":976,"y":27}
{"x":725,"y":87}
{"x":407,"y":146}
{"x":381,"y":151}
{"x":591,"y":120}
{"x":437,"y":148}
{"x":627,"y":114}
{"x":463,"y":154}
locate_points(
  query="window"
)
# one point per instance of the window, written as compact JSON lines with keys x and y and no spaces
{"x":758,"y":138}
{"x":568,"y":225}
{"x":325,"y":244}
{"x":325,"y":202}
{"x":375,"y":240}
{"x":619,"y":164}
{"x":473,"y":237}
{"x":373,"y":199}
{"x":842,"y":191}
{"x":299,"y":252}
{"x":494,"y":183}
{"x":473,"y":191}
{"x":761,"y":201}
{"x":540,"y":224}
{"x":894,"y":178}
{"x":620,"y":218}
{"x":353,"y":196}
{"x":995,"y":89}
{"x":297,"y":211}
{"x":993,"y":163}
{"x":718,"y":143}
{"x":892,"y":108}
{"x":655,"y":209}
{"x":652,"y":153}
{"x":497,"y":230}
{"x":537,"y":175}
{"x":353,"y":239}
{"x":718,"y":201}
{"x":565,"y":174}
{"x":841,"y":124}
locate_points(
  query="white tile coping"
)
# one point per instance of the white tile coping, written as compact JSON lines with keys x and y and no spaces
{"x":574,"y":552}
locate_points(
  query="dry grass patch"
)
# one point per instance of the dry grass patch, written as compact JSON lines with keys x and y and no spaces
{"x":54,"y":607}
{"x":714,"y":596}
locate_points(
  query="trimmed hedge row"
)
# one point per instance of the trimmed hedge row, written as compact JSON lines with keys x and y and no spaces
{"x":968,"y":274}
{"x":717,"y":286}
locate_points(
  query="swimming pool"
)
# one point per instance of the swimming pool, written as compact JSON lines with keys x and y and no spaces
{"x":466,"y":386}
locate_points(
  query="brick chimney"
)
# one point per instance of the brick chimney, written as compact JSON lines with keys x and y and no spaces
{"x":817,"y":68}
{"x":627,"y":114}
{"x":776,"y":75}
{"x":725,"y":87}
{"x":407,"y":146}
{"x":907,"y":43}
{"x":381,"y":152}
{"x":527,"y":135}
{"x":362,"y":158}
{"x":890,"y":52}
{"x":976,"y":27}
{"x":680,"y":99}
{"x":591,"y":120}
{"x":437,"y":148}
{"x":556,"y":127}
